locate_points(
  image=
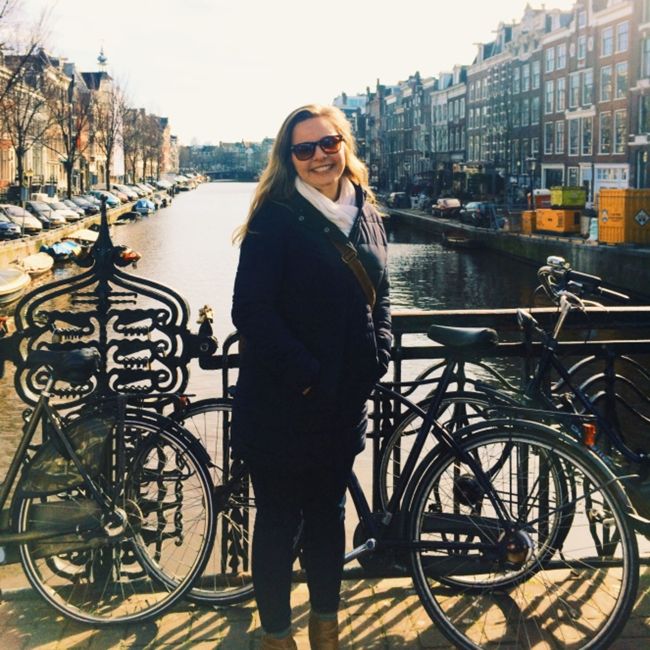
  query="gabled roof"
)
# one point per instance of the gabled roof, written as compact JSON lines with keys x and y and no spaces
{"x":94,"y":79}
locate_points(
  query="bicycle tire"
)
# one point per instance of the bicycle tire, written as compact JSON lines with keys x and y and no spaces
{"x":227,"y":578}
{"x":457,"y":410}
{"x":137,"y":572}
{"x":577,"y":596}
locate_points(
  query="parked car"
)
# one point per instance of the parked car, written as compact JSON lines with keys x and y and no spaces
{"x":92,"y":199}
{"x":8,"y":229}
{"x":62,"y":209}
{"x":448,"y":208}
{"x":137,"y":191}
{"x":162,"y":199}
{"x":144,"y":188}
{"x":85,"y":205}
{"x":124,"y":198}
{"x":26,"y":222}
{"x":481,"y":214}
{"x":69,"y":203}
{"x":124,"y":189}
{"x":45,"y":214}
{"x":111,"y":200}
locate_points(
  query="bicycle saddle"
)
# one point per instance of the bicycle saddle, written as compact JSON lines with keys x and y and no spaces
{"x":467,"y":339}
{"x":74,"y":366}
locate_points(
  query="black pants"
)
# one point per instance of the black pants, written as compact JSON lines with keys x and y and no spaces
{"x":284,"y":499}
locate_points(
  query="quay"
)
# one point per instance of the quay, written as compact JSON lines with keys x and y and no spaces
{"x":624,"y":266}
{"x":16,"y":249}
{"x":376,"y":614}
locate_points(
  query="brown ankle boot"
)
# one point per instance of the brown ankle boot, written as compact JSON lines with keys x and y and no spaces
{"x":323,"y":633}
{"x":274,"y":643}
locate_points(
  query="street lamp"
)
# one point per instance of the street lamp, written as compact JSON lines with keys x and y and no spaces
{"x":531,"y":162}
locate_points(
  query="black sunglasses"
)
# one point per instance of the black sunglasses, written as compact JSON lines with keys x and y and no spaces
{"x":305,"y":150}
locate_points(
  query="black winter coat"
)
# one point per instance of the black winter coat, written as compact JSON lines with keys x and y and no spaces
{"x":306,"y":322}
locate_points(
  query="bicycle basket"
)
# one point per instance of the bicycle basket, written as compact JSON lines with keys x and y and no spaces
{"x":50,"y":471}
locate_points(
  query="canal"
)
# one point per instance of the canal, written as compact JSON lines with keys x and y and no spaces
{"x":188,"y":246}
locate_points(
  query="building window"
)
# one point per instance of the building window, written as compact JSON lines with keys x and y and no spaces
{"x":548,"y":137}
{"x":471,"y":92}
{"x":462,"y":108}
{"x":560,"y":60}
{"x":525,"y":78}
{"x":587,"y":87}
{"x":644,"y":114}
{"x":561,"y":94}
{"x":573,"y":174}
{"x":549,"y":98}
{"x":534,"y":147}
{"x":620,"y":131}
{"x":559,"y":137}
{"x":587,"y":136}
{"x":516,"y":113}
{"x":606,"y":83}
{"x":549,"y":60}
{"x":525,"y":112}
{"x":621,"y":80}
{"x":582,"y":19}
{"x":574,"y":137}
{"x":534,"y":110}
{"x":537,"y":76}
{"x":574,"y":90}
{"x":605,"y":129}
{"x":582,"y":49}
{"x":645,"y":58}
{"x":607,"y":41}
{"x":516,"y":80}
{"x":622,"y":37}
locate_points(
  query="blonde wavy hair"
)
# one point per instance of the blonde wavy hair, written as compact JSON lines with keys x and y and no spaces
{"x":277,"y":181}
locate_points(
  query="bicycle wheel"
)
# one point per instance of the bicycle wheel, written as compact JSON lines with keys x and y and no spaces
{"x":226,"y":579}
{"x":456,"y":411}
{"x":537,"y":589}
{"x":138,"y":560}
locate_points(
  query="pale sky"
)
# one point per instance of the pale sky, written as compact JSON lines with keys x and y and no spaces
{"x":227,"y":70}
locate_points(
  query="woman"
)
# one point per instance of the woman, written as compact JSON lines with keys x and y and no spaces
{"x":312,"y":347}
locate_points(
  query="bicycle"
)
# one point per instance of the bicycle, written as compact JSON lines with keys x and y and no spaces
{"x":563,"y":402}
{"x":111,"y":513}
{"x":512,"y":532}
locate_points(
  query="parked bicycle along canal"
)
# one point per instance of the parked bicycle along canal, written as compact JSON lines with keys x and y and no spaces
{"x":187,"y":246}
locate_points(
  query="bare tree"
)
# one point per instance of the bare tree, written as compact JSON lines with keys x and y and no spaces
{"x":23,"y":108}
{"x":107,"y":111}
{"x":132,"y":140}
{"x":152,"y":140}
{"x":70,"y":111}
{"x":19,"y":37}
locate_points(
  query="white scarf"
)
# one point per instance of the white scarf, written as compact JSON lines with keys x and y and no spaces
{"x":342,"y":212}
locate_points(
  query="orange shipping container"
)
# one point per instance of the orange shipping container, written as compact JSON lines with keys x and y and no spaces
{"x":624,"y":216}
{"x":528,"y":222}
{"x":558,"y":220}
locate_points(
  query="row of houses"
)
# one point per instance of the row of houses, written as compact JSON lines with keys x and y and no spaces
{"x":64,"y":129}
{"x":558,"y":98}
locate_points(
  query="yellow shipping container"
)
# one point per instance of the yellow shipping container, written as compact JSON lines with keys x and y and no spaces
{"x":558,"y":220}
{"x":568,"y":197}
{"x":528,"y":222}
{"x":624,"y":216}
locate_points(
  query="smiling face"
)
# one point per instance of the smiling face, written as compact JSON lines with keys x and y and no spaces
{"x":322,"y":171}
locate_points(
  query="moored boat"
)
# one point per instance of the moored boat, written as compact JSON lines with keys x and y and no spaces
{"x":36,"y":264}
{"x":460,"y":239}
{"x":13,"y":282}
{"x":63,"y":251}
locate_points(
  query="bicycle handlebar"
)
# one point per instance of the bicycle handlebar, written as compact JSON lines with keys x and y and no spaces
{"x":558,"y":277}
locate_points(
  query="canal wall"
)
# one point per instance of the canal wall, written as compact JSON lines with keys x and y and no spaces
{"x":623,"y":266}
{"x":15,"y":249}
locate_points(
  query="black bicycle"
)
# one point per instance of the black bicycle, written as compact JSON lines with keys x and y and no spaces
{"x":513,"y":533}
{"x":111,"y":509}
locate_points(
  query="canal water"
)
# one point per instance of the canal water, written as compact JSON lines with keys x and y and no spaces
{"x":188,"y":246}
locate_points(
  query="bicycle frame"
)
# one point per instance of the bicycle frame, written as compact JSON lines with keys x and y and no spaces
{"x":429,"y":426}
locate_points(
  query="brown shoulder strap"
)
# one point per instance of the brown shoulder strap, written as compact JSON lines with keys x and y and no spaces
{"x":345,"y":247}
